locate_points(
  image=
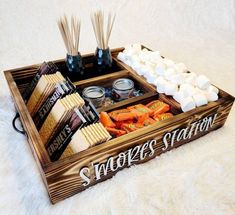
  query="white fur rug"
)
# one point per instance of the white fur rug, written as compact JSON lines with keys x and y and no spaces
{"x":198,"y":178}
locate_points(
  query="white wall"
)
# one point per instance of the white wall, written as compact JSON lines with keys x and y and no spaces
{"x":198,"y":32}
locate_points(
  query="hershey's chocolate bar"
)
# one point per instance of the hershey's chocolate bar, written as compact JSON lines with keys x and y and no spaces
{"x":62,"y":138}
{"x":91,"y":111}
{"x":45,"y":68}
{"x":62,"y":89}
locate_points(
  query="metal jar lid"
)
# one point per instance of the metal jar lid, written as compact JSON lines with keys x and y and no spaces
{"x":123,"y":84}
{"x":93,"y":92}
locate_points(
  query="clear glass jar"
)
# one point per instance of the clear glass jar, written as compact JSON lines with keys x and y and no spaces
{"x":95,"y":94}
{"x":123,"y":88}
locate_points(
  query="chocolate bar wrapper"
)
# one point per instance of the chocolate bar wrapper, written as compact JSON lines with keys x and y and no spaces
{"x":70,"y":84}
{"x":45,"y":68}
{"x":83,"y":112}
{"x":62,"y":89}
{"x":91,"y":112}
{"x":62,"y":138}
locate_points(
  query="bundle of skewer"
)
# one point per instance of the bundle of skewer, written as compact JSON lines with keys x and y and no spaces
{"x":70,"y":33}
{"x":102,"y":35}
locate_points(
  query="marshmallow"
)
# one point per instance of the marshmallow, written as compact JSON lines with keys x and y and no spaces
{"x":212,"y":88}
{"x":156,"y":53}
{"x":169,"y":73}
{"x":127,"y":62}
{"x":121,"y":56}
{"x":160,"y":69}
{"x":176,"y":78}
{"x":150,"y":76}
{"x":180,"y":67}
{"x":137,"y":47}
{"x":160,"y":88}
{"x":187,"y":89}
{"x":200,"y":99}
{"x":147,"y":71}
{"x":160,"y":82}
{"x":132,"y":49}
{"x":190,"y":78}
{"x":169,"y":63}
{"x":144,"y":56}
{"x":187,"y":104}
{"x":166,"y":76}
{"x":202,"y":82}
{"x":211,"y":96}
{"x":143,"y":70}
{"x":170,"y":89}
{"x":136,"y":66}
{"x":150,"y":64}
{"x":134,"y":58}
{"x":155,"y":57}
{"x":179,"y":96}
{"x":129,"y":52}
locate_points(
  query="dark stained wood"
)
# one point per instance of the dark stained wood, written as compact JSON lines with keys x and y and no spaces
{"x":61,"y":177}
{"x":32,"y":134}
{"x":101,"y":79}
{"x":128,"y":102}
{"x":67,"y":171}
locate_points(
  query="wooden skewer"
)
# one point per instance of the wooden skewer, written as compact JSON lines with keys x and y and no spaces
{"x":94,"y":28}
{"x":107,"y":30}
{"x":70,"y":34}
{"x":63,"y":34}
{"x":102,"y":35}
{"x":78,"y":33}
{"x":111,"y":27}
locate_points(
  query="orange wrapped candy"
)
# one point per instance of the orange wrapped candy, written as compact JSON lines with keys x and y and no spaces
{"x":119,"y":123}
{"x":163,"y":116}
{"x":129,"y":127}
{"x":116,"y":132}
{"x":148,"y":121}
{"x":158,"y":107}
{"x":142,"y":118}
{"x":122,"y":114}
{"x":140,"y":109}
{"x":106,"y":120}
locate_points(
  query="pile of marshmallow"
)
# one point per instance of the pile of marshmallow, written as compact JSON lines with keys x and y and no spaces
{"x":187,"y":88}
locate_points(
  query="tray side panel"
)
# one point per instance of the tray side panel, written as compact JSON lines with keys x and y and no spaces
{"x":32,"y":135}
{"x":27,"y":122}
{"x":72,"y":177}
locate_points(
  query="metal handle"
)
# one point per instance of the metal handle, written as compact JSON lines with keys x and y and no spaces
{"x":17,"y":116}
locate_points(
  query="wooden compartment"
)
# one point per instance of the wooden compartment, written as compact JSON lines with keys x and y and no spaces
{"x":74,"y":174}
{"x":106,"y":82}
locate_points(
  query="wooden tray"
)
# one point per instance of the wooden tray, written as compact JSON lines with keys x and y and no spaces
{"x":74,"y":174}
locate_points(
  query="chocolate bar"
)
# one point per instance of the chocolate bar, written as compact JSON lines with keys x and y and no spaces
{"x":85,"y":138}
{"x":61,"y":89}
{"x":45,"y":68}
{"x":44,"y":88}
{"x":91,"y":111}
{"x":59,"y":114}
{"x":61,"y":139}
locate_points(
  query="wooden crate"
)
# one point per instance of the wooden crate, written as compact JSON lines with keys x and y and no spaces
{"x":74,"y":174}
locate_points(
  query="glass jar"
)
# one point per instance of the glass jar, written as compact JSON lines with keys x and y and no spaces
{"x":95,"y":94}
{"x":123,"y":88}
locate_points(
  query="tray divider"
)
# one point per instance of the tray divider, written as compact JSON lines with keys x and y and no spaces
{"x":118,"y":74}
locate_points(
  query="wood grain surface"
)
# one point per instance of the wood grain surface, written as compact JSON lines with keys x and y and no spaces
{"x":62,"y":177}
